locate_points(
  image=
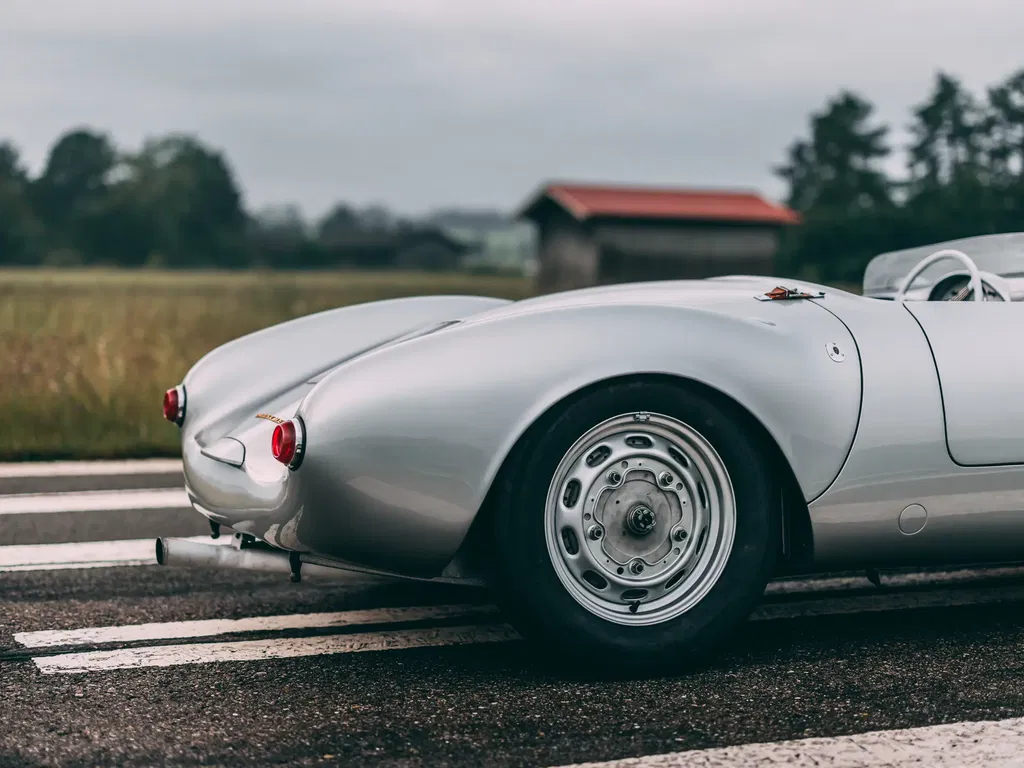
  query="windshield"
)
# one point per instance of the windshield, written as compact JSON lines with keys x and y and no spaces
{"x":999,"y":254}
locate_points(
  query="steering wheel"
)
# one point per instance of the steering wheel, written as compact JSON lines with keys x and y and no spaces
{"x":974,"y":283}
{"x":955,"y":286}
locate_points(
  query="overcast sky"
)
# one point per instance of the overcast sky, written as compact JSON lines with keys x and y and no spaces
{"x":427,"y":103}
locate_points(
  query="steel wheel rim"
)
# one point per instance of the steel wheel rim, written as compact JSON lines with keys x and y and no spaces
{"x":640,"y":519}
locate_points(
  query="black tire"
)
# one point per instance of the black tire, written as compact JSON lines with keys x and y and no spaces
{"x":538,"y":604}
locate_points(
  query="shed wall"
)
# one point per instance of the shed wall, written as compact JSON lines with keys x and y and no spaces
{"x":568,"y":257}
{"x":573,"y":256}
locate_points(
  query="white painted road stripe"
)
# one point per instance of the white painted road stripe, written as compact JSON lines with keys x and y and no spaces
{"x":86,"y":554}
{"x":93,"y":501}
{"x":198,"y":653}
{"x":177,"y":630}
{"x":261,"y":650}
{"x":89,"y":468}
{"x":992,"y":744}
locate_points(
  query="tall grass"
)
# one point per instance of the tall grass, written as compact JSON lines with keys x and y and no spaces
{"x":86,"y":355}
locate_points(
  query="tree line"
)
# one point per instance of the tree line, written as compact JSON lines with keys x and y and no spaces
{"x":963,"y":175}
{"x":175,"y":202}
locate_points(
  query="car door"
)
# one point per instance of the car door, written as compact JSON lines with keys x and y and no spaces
{"x":978,"y":349}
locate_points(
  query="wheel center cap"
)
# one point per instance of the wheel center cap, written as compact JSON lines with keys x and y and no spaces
{"x":641,"y":520}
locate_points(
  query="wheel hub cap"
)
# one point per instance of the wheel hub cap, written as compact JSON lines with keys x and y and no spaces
{"x":640,"y":519}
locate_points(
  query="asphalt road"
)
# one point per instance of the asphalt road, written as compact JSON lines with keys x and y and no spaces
{"x":330,"y":673}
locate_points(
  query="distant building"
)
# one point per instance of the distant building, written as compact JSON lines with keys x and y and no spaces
{"x":402,"y":247}
{"x":428,"y":248}
{"x":498,"y":243}
{"x":591,"y":234}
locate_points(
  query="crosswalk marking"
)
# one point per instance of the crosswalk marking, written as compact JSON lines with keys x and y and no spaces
{"x":988,"y":744}
{"x":93,"y":501}
{"x":88,"y":468}
{"x":259,"y":650}
{"x":86,"y":554}
{"x":281,"y":647}
{"x":176,"y":630}
{"x":75,"y":650}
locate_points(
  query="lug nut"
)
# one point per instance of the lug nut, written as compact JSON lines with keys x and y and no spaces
{"x":614,"y":477}
{"x":594,"y":532}
{"x":636,"y":567}
{"x":679,"y":535}
{"x":666,"y":479}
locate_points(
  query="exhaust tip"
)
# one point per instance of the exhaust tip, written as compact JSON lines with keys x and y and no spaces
{"x":160,"y":552}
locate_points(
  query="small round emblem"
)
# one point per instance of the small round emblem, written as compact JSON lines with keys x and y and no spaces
{"x":835,"y":352}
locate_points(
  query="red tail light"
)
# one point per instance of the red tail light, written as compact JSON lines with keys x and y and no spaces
{"x":174,"y":405}
{"x":288,"y":443}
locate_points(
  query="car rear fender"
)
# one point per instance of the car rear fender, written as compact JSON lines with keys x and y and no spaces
{"x":271,"y":367}
{"x":418,"y":432}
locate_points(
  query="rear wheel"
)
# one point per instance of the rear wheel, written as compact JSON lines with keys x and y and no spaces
{"x":638,"y":529}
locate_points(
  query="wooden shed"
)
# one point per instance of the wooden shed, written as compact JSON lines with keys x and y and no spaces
{"x":595,"y":234}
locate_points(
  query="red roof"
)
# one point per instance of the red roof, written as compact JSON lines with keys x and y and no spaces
{"x":584,"y":201}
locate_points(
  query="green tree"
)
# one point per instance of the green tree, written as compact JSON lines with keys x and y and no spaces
{"x":947,"y":136}
{"x":277,"y":236}
{"x":195,"y":202}
{"x":340,"y":223}
{"x":838,"y":184}
{"x":174,"y":202}
{"x":950,"y":174}
{"x":20,"y":233}
{"x":123,"y":227}
{"x":11,"y":168}
{"x":211,"y":219}
{"x":72,"y":184}
{"x":1005,"y":128}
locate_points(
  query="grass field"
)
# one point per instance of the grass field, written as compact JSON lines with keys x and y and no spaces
{"x":85,"y":355}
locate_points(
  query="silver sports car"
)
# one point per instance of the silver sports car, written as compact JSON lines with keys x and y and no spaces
{"x":627,"y":466}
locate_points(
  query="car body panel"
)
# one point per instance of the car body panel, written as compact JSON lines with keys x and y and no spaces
{"x":247,"y":371}
{"x":900,"y":458}
{"x":417,"y":456}
{"x":404,"y":440}
{"x":977,"y":352}
{"x":269,"y":372}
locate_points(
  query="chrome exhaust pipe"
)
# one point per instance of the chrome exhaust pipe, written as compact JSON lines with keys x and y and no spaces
{"x":182,"y":552}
